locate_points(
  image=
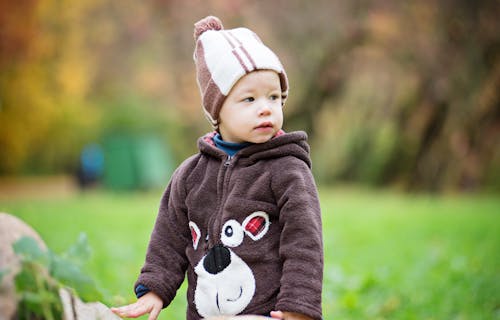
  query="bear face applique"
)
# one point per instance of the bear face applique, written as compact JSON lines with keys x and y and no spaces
{"x":226,"y":284}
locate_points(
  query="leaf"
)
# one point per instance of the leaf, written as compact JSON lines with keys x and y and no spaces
{"x":71,"y":275}
{"x":29,"y":250}
{"x":43,"y":271}
{"x":25,"y":279}
{"x":80,"y":252}
{"x":43,"y":303}
{"x":3,"y":272}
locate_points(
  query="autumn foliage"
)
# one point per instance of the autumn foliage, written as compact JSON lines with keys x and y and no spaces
{"x":391,"y":93}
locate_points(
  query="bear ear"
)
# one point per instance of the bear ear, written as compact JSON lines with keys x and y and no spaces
{"x":256,"y":225}
{"x":195,"y":234}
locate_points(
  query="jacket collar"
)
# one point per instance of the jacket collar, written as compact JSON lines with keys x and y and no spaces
{"x":281,"y":145}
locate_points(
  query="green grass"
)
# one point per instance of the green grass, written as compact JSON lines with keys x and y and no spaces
{"x":387,"y":255}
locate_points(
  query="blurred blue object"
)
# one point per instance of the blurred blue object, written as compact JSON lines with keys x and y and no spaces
{"x":91,"y":166}
{"x":92,"y":160}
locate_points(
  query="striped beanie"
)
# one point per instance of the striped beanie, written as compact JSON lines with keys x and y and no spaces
{"x":222,"y":57}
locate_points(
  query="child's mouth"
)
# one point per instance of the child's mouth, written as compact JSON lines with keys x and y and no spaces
{"x":265,"y":125}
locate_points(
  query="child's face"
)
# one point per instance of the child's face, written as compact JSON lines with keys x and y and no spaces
{"x":252,"y":111}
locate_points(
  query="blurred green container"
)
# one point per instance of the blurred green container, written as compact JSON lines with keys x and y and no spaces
{"x":136,"y":162}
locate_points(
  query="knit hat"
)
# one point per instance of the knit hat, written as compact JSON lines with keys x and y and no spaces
{"x":222,"y":57}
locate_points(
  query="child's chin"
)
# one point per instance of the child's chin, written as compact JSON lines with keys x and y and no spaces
{"x":262,"y":139}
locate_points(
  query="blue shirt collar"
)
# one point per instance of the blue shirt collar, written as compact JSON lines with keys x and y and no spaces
{"x":231,"y":148}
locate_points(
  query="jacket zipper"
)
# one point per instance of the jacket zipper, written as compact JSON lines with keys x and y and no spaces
{"x":213,"y":220}
{"x":227,"y":163}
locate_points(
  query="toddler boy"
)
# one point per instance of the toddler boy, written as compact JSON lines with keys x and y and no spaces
{"x":242,"y":216}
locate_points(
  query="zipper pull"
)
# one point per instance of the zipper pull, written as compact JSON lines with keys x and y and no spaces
{"x":227,"y":163}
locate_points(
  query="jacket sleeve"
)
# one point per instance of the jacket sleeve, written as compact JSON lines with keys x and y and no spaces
{"x":301,"y":240}
{"x":166,"y":262}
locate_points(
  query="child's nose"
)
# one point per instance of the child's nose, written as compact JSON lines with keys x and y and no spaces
{"x":264,"y":109}
{"x":217,"y":259}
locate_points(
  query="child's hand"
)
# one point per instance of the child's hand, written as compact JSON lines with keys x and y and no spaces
{"x":148,"y":303}
{"x":289,"y":315}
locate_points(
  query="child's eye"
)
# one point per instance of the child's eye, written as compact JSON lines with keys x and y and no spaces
{"x":249,"y":99}
{"x":274,"y":97}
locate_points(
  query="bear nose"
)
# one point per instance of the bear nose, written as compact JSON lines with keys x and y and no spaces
{"x":217,"y":259}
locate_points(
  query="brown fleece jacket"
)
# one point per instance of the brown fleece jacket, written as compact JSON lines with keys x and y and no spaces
{"x":247,"y":230}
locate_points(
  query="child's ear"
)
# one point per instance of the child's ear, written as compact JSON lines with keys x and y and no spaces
{"x":256,"y":225}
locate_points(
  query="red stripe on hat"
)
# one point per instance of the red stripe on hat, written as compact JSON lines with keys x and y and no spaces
{"x":235,"y":38}
{"x":240,"y":60}
{"x":249,"y":57}
{"x":212,"y":97}
{"x":225,"y":35}
{"x":243,"y":49}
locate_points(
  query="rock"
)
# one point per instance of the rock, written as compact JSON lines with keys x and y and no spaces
{"x":11,"y":230}
{"x":75,"y":309}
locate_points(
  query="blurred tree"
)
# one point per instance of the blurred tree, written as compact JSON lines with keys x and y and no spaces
{"x":44,"y":80}
{"x":391,"y":93}
{"x":402,"y":93}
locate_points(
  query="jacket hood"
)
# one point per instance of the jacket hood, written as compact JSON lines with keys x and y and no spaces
{"x":282,"y":145}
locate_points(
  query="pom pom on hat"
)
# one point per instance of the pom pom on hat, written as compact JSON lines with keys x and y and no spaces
{"x":205,"y":24}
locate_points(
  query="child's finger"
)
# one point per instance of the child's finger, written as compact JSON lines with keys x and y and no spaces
{"x":154,"y":313}
{"x":131,"y":311}
{"x":119,"y":310}
{"x":277,"y":314}
{"x":138,"y":310}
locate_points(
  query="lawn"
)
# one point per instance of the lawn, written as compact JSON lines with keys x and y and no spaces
{"x":387,"y":255}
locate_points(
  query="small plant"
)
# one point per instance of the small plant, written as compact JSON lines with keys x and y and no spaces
{"x":43,"y":273}
{"x":2,"y":274}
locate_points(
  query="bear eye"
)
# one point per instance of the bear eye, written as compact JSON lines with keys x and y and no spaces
{"x":232,"y":233}
{"x":229,"y":231}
